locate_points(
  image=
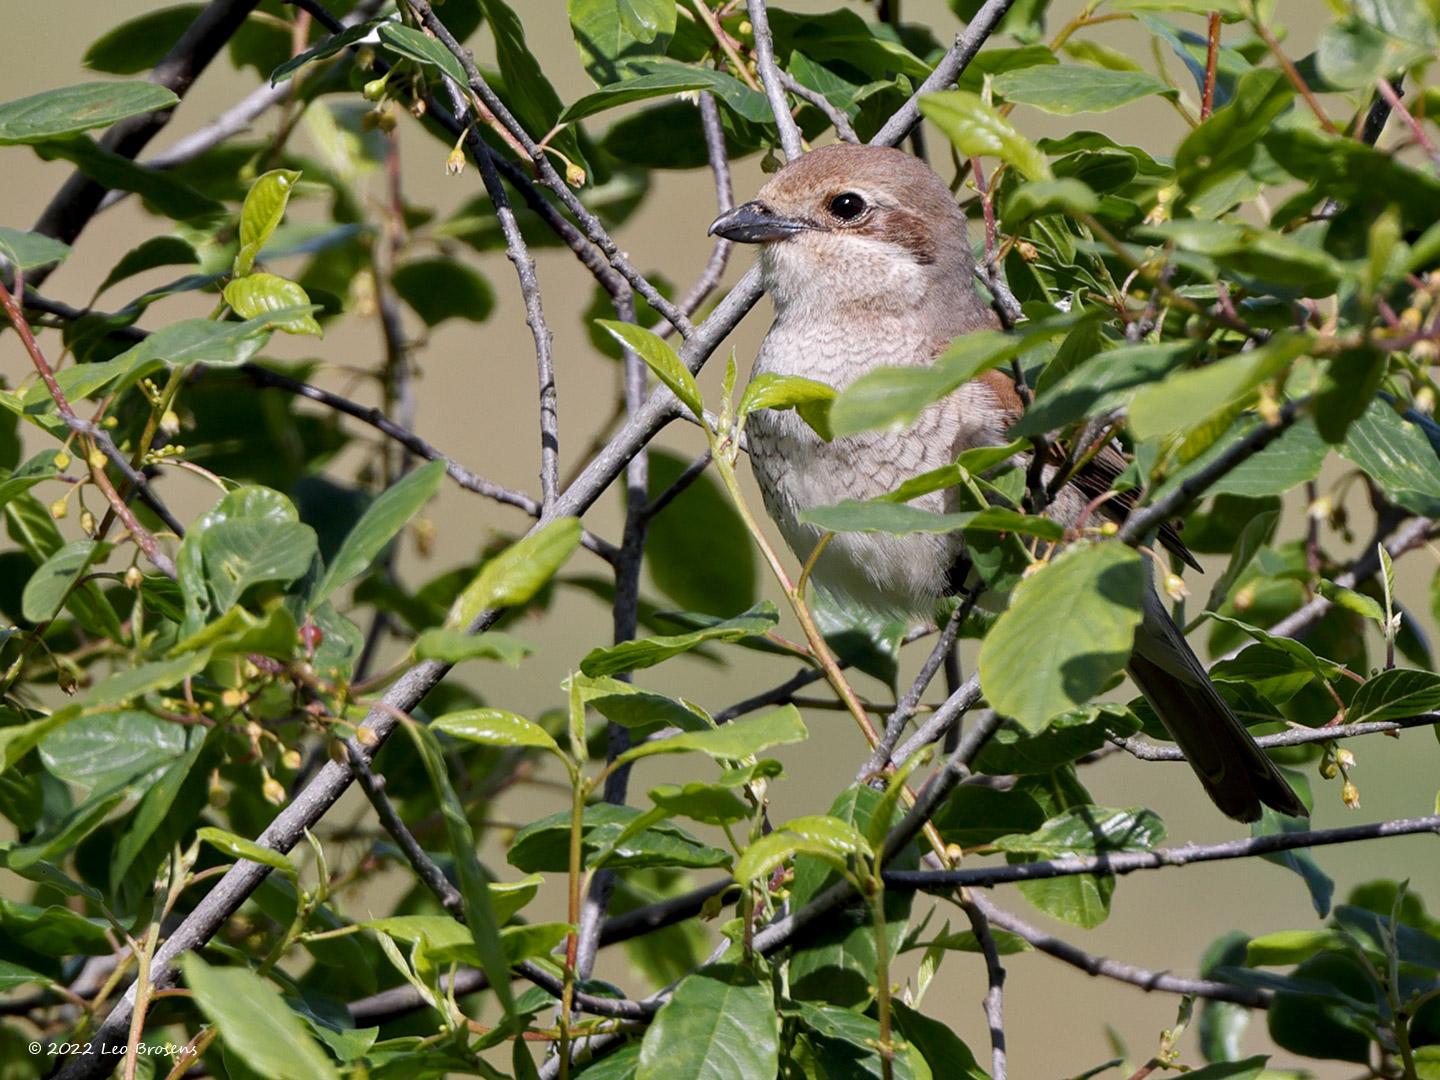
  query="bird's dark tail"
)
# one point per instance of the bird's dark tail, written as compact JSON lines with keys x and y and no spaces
{"x":1236,"y":774}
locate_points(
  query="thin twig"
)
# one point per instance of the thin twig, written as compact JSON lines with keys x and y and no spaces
{"x":518,"y":252}
{"x":905,"y":707}
{"x":994,"y":983}
{"x":1091,"y":964}
{"x":938,"y":724}
{"x":143,"y":538}
{"x":540,"y":162}
{"x":1293,"y":74}
{"x":1128,"y":862}
{"x":1147,"y":751}
{"x":790,"y":139}
{"x":1140,"y":523}
{"x":1387,"y":91}
{"x":951,"y":66}
{"x":714,"y":269}
{"x":838,"y":120}
{"x":1212,"y":56}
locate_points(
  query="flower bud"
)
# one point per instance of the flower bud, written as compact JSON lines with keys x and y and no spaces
{"x":62,"y":461}
{"x":1175,"y":587}
{"x":290,"y":759}
{"x":574,"y":175}
{"x":233,"y":699}
{"x":1350,"y":796}
{"x":60,"y":508}
{"x":87,"y":522}
{"x":274,"y":791}
{"x":96,"y":458}
{"x":374,"y":90}
{"x":455,"y":163}
{"x":134,"y":578}
{"x":1328,"y":769}
{"x":1345,"y":759}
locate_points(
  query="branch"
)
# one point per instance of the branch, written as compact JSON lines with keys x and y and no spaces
{"x":1113,"y":969}
{"x":951,"y":66}
{"x":79,"y":197}
{"x":939,"y":723}
{"x":1127,"y":862}
{"x":838,"y":120}
{"x":995,"y":984}
{"x":519,"y":255}
{"x":143,"y":539}
{"x":1147,"y":751}
{"x":1412,"y":534}
{"x":540,"y":162}
{"x":1142,"y":522}
{"x":790,"y":139}
{"x":719,"y":258}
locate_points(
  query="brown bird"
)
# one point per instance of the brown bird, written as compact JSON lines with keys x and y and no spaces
{"x":864,"y":253}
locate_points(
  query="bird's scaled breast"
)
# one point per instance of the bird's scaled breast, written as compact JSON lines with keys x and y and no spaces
{"x":798,"y":471}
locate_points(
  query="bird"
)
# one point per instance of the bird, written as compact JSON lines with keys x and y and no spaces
{"x":865,"y":255}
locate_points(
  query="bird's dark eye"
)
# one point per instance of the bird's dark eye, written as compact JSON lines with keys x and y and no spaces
{"x":847,"y":206}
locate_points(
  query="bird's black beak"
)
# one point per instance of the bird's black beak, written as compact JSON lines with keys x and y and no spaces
{"x":756,"y":223}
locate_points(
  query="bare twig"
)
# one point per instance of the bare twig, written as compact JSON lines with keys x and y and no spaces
{"x":143,"y":538}
{"x":1127,"y":862}
{"x":939,"y":723}
{"x":518,"y":252}
{"x":994,"y":983}
{"x":1091,"y":964}
{"x":790,"y":139}
{"x":1410,"y":535}
{"x":1212,"y":56}
{"x":951,"y":66}
{"x":1147,"y":751}
{"x":838,"y":120}
{"x":1392,"y":98}
{"x":540,"y":162}
{"x":724,"y":200}
{"x":1140,"y":523}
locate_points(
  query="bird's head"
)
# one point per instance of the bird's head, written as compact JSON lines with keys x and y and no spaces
{"x":855,"y":226}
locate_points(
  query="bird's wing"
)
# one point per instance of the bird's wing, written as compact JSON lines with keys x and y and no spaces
{"x":1096,"y":476}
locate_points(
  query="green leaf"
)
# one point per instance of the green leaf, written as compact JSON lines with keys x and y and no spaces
{"x":53,"y":930}
{"x":1065,"y":89}
{"x":1069,"y":736}
{"x":661,"y":359}
{"x":720,"y":1024}
{"x":1396,"y":455}
{"x":883,"y":516}
{"x":697,"y":549}
{"x":710,"y":804}
{"x":975,"y":815}
{"x":829,"y":838}
{"x":29,"y":250}
{"x":1106,"y":381}
{"x":139,"y":44}
{"x":809,"y":398}
{"x":515,"y":575}
{"x":633,"y":655}
{"x":941,"y":1048}
{"x":261,"y":214}
{"x":738,"y":739}
{"x":1354,"y":53}
{"x":255,"y":1023}
{"x":1395,"y":694}
{"x":495,"y":727}
{"x":663,"y":79}
{"x":543,"y":846}
{"x":60,"y":837}
{"x":1187,"y":398}
{"x":137,"y":681}
{"x":72,"y":109}
{"x":237,"y":847}
{"x":479,"y":910}
{"x":440,"y":288}
{"x":382,"y":521}
{"x":53,"y":580}
{"x":1033,"y":666}
{"x":612,"y":34}
{"x":1251,"y":1068}
{"x":149,"y":254}
{"x":329,"y":47}
{"x":423,"y":49}
{"x":160,"y":190}
{"x":13,"y":975}
{"x":17,"y":740}
{"x":454,"y":646}
{"x":977,"y":129}
{"x":1285,"y":947}
{"x":106,"y":748}
{"x":1039,"y":198}
{"x":1089,"y":830}
{"x":262,"y":294}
